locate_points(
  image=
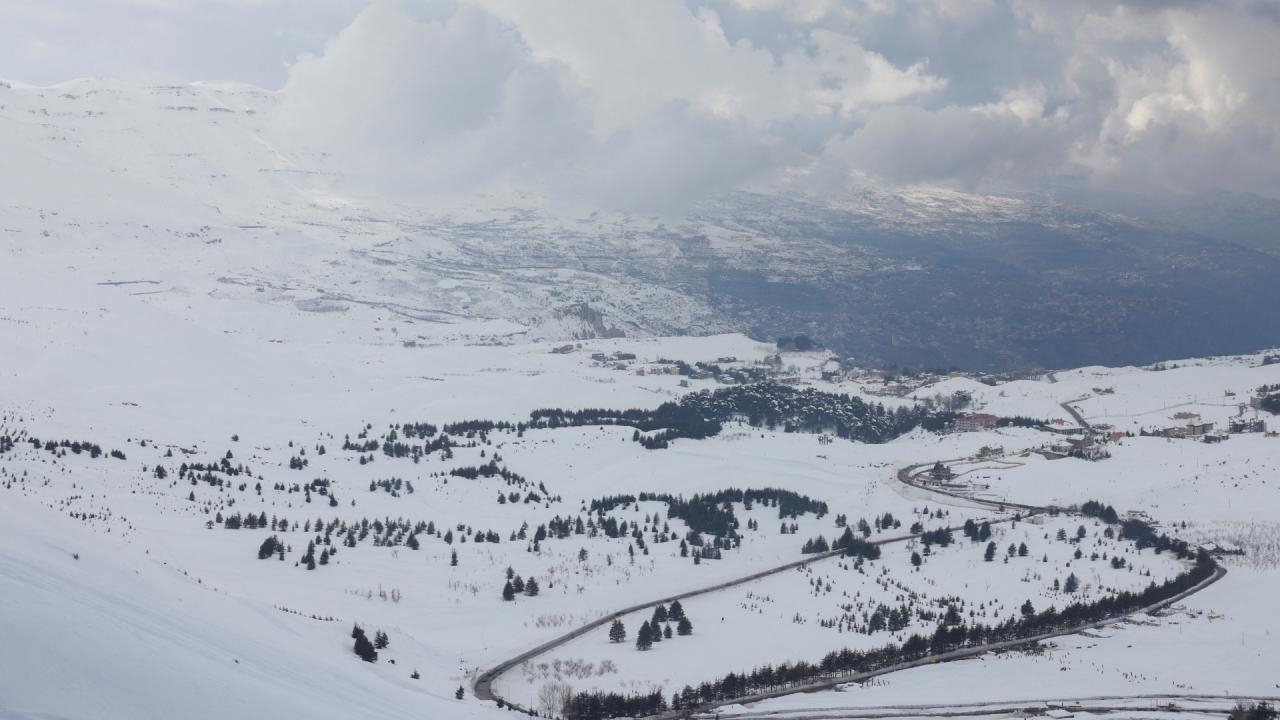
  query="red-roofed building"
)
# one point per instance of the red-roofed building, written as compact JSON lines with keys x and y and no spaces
{"x":975,"y":422}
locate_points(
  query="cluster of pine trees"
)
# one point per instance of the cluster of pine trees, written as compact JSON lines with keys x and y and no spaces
{"x":1137,"y":530}
{"x":60,"y":447}
{"x":395,"y":486}
{"x":767,"y":404}
{"x":712,"y":513}
{"x":656,"y":629}
{"x":364,"y":648}
{"x":517,"y":585}
{"x":1253,"y":711}
{"x":949,"y":635}
{"x":327,"y":536}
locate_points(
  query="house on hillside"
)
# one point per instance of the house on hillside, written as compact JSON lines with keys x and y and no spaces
{"x":975,"y":422}
{"x":1199,"y":429}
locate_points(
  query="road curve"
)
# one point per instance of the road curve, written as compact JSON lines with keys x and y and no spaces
{"x":1218,"y":573}
{"x":483,"y":684}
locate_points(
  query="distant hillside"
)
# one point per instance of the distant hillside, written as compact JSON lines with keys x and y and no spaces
{"x":189,"y":188}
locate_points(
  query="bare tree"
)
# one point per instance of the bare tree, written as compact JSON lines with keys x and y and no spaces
{"x":553,"y":697}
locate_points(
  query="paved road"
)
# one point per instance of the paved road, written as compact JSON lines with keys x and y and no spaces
{"x":1164,"y":702}
{"x":825,"y":684}
{"x":1071,"y":410}
{"x":483,"y":685}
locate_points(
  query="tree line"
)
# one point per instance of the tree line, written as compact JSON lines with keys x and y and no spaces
{"x":946,"y":637}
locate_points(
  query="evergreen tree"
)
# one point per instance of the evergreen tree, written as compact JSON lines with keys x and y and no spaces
{"x":617,"y":632}
{"x":453,"y":559}
{"x":990,"y":554}
{"x":676,"y":611}
{"x":644,"y":638}
{"x":666,"y":632}
{"x":1028,"y":609}
{"x":915,"y":559}
{"x":684,"y":627}
{"x":268,"y":547}
{"x":365,"y":649}
{"x":508,"y":592}
{"x":1072,"y":584}
{"x":380,"y":640}
{"x":531,"y":588}
{"x":460,"y":692}
{"x":660,"y":614}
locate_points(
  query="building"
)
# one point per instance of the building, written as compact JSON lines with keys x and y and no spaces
{"x":976,"y":422}
{"x":1199,"y":429}
{"x":1247,"y":425}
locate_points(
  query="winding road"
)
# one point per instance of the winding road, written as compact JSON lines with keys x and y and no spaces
{"x":483,"y":684}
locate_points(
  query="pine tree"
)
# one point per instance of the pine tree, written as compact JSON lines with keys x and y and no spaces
{"x":453,"y":560}
{"x":644,"y":638}
{"x":365,"y":649}
{"x":990,"y":554}
{"x":380,"y":640}
{"x":531,"y":588}
{"x":1072,"y":584}
{"x":676,"y":611}
{"x":684,"y":627}
{"x":268,"y":547}
{"x":508,"y":592}
{"x":660,"y":614}
{"x":617,"y":632}
{"x":1028,"y":609}
{"x":460,"y":692}
{"x":666,"y":632}
{"x":915,"y":559}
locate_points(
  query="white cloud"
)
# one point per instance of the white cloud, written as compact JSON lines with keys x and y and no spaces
{"x":639,"y":107}
{"x":649,"y":105}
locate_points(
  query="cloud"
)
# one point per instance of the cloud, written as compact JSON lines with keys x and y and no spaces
{"x":639,"y":108}
{"x":45,"y":42}
{"x":650,"y":106}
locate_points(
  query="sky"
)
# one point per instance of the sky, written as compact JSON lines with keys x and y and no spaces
{"x":651,"y":104}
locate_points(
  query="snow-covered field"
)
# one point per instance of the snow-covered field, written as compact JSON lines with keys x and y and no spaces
{"x":194,"y":334}
{"x":807,"y":612}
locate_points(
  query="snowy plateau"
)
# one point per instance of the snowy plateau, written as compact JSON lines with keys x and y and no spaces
{"x":250,"y":425}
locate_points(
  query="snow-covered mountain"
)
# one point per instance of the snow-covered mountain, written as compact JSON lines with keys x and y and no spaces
{"x":229,"y":375}
{"x":195,"y":187}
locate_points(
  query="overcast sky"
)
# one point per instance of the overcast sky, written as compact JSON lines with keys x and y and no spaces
{"x":657,"y":101}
